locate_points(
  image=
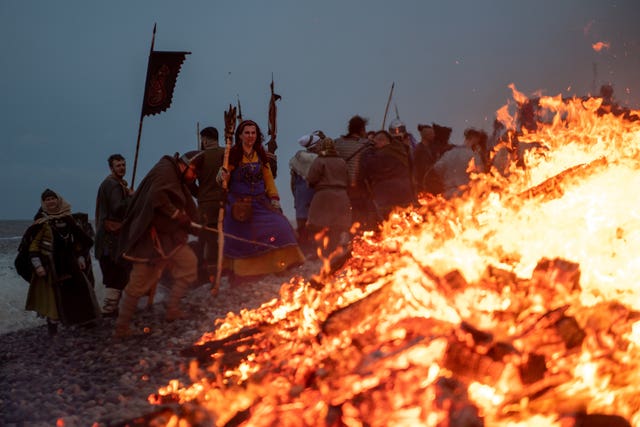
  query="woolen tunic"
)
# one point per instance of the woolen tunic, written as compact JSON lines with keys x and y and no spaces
{"x":330,"y":206}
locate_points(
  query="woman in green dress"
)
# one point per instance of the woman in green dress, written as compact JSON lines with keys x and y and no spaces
{"x":59,"y":288}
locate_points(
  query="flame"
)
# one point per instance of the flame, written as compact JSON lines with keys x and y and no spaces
{"x":519,"y":97}
{"x":599,"y":46}
{"x":515,"y":303}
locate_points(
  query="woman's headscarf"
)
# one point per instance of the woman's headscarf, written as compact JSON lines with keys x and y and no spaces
{"x":62,"y":207}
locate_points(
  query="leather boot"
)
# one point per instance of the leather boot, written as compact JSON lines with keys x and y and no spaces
{"x":111,"y":301}
{"x":128,"y":308}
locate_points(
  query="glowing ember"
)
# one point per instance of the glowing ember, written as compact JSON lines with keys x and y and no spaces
{"x":513,"y":305}
{"x":600,"y":46}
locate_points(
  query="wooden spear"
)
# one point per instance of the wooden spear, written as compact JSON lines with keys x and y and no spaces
{"x":198,"y":136}
{"x":229,"y":129}
{"x":386,"y":110}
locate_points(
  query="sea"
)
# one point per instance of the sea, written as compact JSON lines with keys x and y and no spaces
{"x":13,"y":288}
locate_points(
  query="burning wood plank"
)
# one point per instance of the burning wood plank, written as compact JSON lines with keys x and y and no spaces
{"x":552,"y":188}
{"x":231,"y":350}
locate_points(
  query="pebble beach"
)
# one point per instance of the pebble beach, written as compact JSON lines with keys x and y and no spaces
{"x":82,"y":376}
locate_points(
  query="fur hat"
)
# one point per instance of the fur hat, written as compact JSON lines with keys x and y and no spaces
{"x":442,"y":133}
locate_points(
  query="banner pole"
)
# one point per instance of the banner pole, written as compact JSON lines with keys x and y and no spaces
{"x":146,"y":81}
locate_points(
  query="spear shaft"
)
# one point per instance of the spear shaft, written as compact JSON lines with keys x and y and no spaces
{"x":386,"y":110}
{"x":229,"y":129}
{"x":198,"y":135}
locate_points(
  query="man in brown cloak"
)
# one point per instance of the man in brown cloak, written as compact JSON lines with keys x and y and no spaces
{"x":154,"y":235}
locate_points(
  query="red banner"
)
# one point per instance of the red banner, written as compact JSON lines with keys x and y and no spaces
{"x":162,"y":73}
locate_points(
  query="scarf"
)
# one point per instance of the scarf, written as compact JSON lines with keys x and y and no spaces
{"x":63,"y":208}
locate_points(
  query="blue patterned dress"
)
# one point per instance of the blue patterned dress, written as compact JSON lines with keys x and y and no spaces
{"x":269,"y":244}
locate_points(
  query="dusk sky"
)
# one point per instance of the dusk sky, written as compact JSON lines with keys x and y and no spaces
{"x":73,"y":74}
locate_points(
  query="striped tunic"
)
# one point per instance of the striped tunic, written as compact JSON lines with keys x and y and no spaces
{"x":351,"y":149}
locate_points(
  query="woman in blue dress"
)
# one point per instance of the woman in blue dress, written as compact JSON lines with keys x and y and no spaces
{"x":259,"y":239}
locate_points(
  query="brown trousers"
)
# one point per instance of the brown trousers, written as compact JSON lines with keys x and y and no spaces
{"x":183,"y":268}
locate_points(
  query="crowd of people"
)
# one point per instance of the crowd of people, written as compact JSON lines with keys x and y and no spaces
{"x":377,"y":171}
{"x":228,"y":200}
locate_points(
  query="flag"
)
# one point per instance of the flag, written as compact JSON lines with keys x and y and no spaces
{"x":273,"y":115}
{"x":162,"y":73}
{"x":272,"y":145}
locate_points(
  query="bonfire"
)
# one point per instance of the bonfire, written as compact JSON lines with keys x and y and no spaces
{"x":514,"y":304}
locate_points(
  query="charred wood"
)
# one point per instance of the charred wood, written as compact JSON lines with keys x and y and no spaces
{"x":557,"y":275}
{"x":347,"y":317}
{"x":467,"y":363}
{"x":231,"y":345}
{"x":452,"y":394}
{"x":532,"y":368}
{"x":600,"y":420}
{"x":238,"y":418}
{"x":553,"y":331}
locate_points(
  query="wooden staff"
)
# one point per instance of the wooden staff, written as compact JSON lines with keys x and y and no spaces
{"x":229,"y":129}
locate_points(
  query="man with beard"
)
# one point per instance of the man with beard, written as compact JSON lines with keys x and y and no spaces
{"x":154,"y":236}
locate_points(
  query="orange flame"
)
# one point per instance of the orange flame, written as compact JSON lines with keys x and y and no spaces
{"x":387,"y":340}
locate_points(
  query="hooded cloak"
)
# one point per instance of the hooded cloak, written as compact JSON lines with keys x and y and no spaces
{"x":148,"y":230}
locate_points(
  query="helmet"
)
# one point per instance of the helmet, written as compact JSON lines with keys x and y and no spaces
{"x":191,"y":157}
{"x":397,"y":128}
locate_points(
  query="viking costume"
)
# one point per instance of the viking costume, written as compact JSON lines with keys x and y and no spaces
{"x":59,"y":245}
{"x":426,"y":157}
{"x":387,"y":170}
{"x":111,"y":205}
{"x":330,"y":208}
{"x":351,"y":149}
{"x":154,"y":238}
{"x":267,"y":241}
{"x":451,"y":171}
{"x":210,"y":196}
{"x":299,"y":165}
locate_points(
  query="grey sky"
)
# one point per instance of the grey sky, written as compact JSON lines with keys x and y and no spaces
{"x":73,"y":74}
